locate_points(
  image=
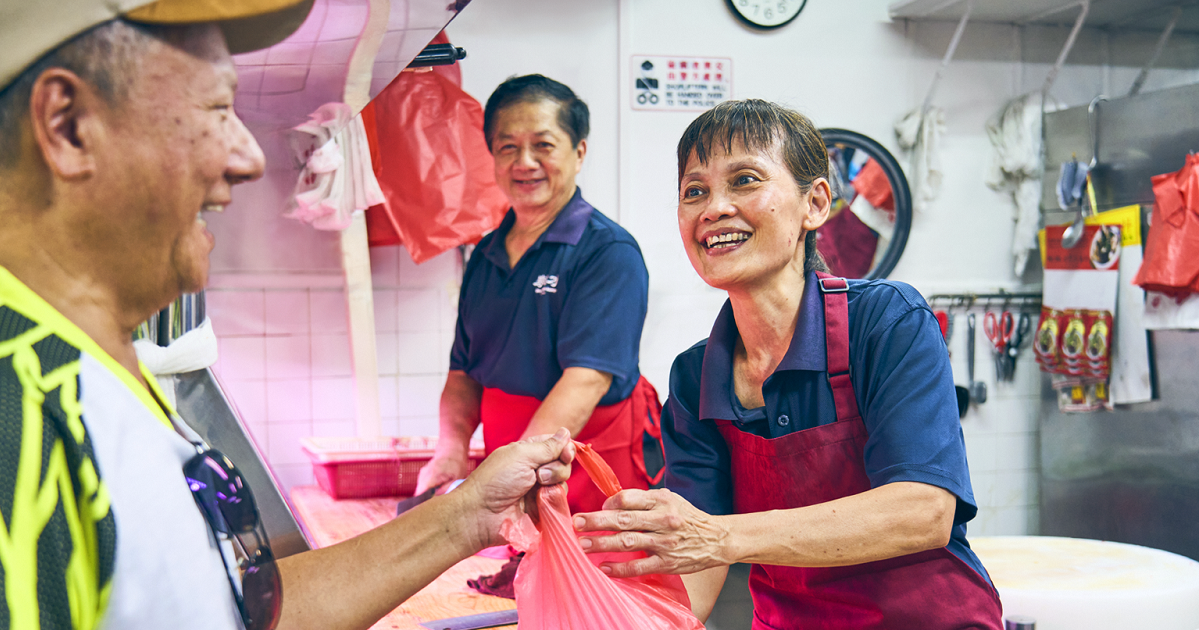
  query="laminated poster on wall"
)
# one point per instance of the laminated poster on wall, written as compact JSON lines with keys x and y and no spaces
{"x":1074,"y":335}
{"x":1131,"y":381}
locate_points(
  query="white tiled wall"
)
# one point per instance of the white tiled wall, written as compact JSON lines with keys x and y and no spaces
{"x":285,"y":353}
{"x":1001,"y":436}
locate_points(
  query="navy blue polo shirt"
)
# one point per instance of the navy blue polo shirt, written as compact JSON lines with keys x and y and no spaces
{"x":901,"y":377}
{"x":576,"y":298}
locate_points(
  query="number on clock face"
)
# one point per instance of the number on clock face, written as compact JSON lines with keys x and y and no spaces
{"x":767,"y":13}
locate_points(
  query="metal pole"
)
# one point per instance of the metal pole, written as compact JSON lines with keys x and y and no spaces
{"x":1157,"y":52}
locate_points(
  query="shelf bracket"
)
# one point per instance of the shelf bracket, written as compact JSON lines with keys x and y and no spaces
{"x":953,"y":46}
{"x":1157,"y":52}
{"x":1061,"y":58}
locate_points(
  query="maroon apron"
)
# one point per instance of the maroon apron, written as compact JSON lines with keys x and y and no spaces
{"x":929,"y":590}
{"x":614,"y":431}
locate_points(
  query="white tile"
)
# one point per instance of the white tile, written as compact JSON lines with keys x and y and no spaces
{"x":387,"y":354}
{"x":983,"y":484}
{"x":1013,"y":489}
{"x":331,"y":355}
{"x":288,"y":401}
{"x":241,"y":358}
{"x":983,"y":523}
{"x":445,"y":344}
{"x":288,"y":357}
{"x":248,"y":397}
{"x":285,"y":442}
{"x":386,"y":317}
{"x":286,"y":312}
{"x":419,"y":396}
{"x":419,"y":310}
{"x":292,"y":475}
{"x":419,"y":353}
{"x":333,"y":399}
{"x":329,"y":312}
{"x":980,"y":453}
{"x":388,"y":396}
{"x":1012,"y":521}
{"x":418,"y":426}
{"x":433,"y":273}
{"x":1016,"y":451}
{"x":236,"y":312}
{"x":333,"y":428}
{"x":390,"y":426}
{"x":385,"y":265}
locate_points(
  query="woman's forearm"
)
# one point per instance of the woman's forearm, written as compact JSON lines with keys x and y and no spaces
{"x":892,"y":520}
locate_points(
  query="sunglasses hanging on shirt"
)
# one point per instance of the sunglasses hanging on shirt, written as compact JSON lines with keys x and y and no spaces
{"x":228,"y":506}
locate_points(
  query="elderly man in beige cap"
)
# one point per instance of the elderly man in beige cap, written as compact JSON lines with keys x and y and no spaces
{"x":117,"y":131}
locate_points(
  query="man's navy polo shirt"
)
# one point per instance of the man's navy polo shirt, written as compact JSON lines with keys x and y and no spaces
{"x":901,"y":377}
{"x":576,"y":298}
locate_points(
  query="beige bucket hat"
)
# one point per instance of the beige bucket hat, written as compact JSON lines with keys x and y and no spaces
{"x":31,"y":28}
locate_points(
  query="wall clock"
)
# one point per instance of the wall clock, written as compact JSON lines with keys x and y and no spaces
{"x":767,"y":14}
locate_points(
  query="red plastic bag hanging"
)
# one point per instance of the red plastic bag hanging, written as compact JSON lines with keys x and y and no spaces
{"x":433,"y":166}
{"x":559,"y":588}
{"x":1171,"y":263}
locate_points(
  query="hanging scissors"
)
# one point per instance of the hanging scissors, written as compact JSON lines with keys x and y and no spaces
{"x":1013,"y":346}
{"x":999,"y":331}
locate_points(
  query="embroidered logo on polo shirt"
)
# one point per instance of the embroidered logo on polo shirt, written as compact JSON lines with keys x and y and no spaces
{"x":545,"y":284}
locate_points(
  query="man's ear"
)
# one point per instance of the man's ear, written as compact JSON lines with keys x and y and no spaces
{"x":64,"y":115}
{"x":820,"y":203}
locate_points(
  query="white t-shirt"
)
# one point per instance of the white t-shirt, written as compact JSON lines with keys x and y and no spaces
{"x":168,"y":571}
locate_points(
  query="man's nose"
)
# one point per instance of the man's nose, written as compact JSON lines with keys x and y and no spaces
{"x":246,"y":161}
{"x":525,"y":158}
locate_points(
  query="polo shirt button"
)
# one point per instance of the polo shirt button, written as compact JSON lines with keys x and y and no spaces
{"x":784,"y":420}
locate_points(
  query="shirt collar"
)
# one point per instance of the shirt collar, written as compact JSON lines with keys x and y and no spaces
{"x":566,"y":228}
{"x":807,"y":351}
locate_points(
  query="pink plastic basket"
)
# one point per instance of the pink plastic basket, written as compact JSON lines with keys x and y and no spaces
{"x":359,"y":468}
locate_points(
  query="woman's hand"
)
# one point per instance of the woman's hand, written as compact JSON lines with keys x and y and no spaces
{"x":503,"y":485}
{"x":678,"y":537}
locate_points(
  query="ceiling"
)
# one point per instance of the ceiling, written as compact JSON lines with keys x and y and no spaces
{"x":1151,"y":15}
{"x":281,"y":85}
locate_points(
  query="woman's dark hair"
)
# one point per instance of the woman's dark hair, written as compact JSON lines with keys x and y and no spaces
{"x":573,"y":116}
{"x":761,"y":126}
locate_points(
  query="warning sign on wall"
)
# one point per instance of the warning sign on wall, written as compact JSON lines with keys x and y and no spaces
{"x":681,"y":83}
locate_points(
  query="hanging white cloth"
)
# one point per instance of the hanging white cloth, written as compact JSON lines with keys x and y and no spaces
{"x":919,"y":135}
{"x":1015,"y":132}
{"x":337,"y":178}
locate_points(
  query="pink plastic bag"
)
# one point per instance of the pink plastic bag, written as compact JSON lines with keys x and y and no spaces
{"x":559,"y":588}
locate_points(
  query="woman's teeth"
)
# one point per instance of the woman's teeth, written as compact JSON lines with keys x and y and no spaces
{"x":726,"y":240}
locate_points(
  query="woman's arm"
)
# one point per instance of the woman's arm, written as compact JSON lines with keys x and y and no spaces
{"x":885,"y":522}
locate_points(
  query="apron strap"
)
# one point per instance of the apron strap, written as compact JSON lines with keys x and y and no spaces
{"x":836,"y":339}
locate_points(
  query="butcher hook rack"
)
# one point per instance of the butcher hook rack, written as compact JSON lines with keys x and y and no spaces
{"x":1004,"y":300}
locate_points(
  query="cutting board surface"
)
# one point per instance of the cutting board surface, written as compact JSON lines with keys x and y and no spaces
{"x":1077,"y":584}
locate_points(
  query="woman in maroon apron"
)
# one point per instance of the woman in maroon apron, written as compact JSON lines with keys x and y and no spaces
{"x":814,"y":434}
{"x":551,"y":306}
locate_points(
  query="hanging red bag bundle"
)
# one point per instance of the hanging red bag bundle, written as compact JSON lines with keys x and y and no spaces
{"x":432,"y":163}
{"x":558,"y":587}
{"x":1171,"y":262}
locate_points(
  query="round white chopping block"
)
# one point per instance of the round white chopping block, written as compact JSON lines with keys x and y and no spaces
{"x":1078,"y":584}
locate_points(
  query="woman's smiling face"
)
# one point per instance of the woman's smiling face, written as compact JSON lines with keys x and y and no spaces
{"x":743,"y":217}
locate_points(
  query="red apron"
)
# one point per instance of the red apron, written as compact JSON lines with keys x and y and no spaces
{"x":929,"y":590}
{"x":614,"y":431}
